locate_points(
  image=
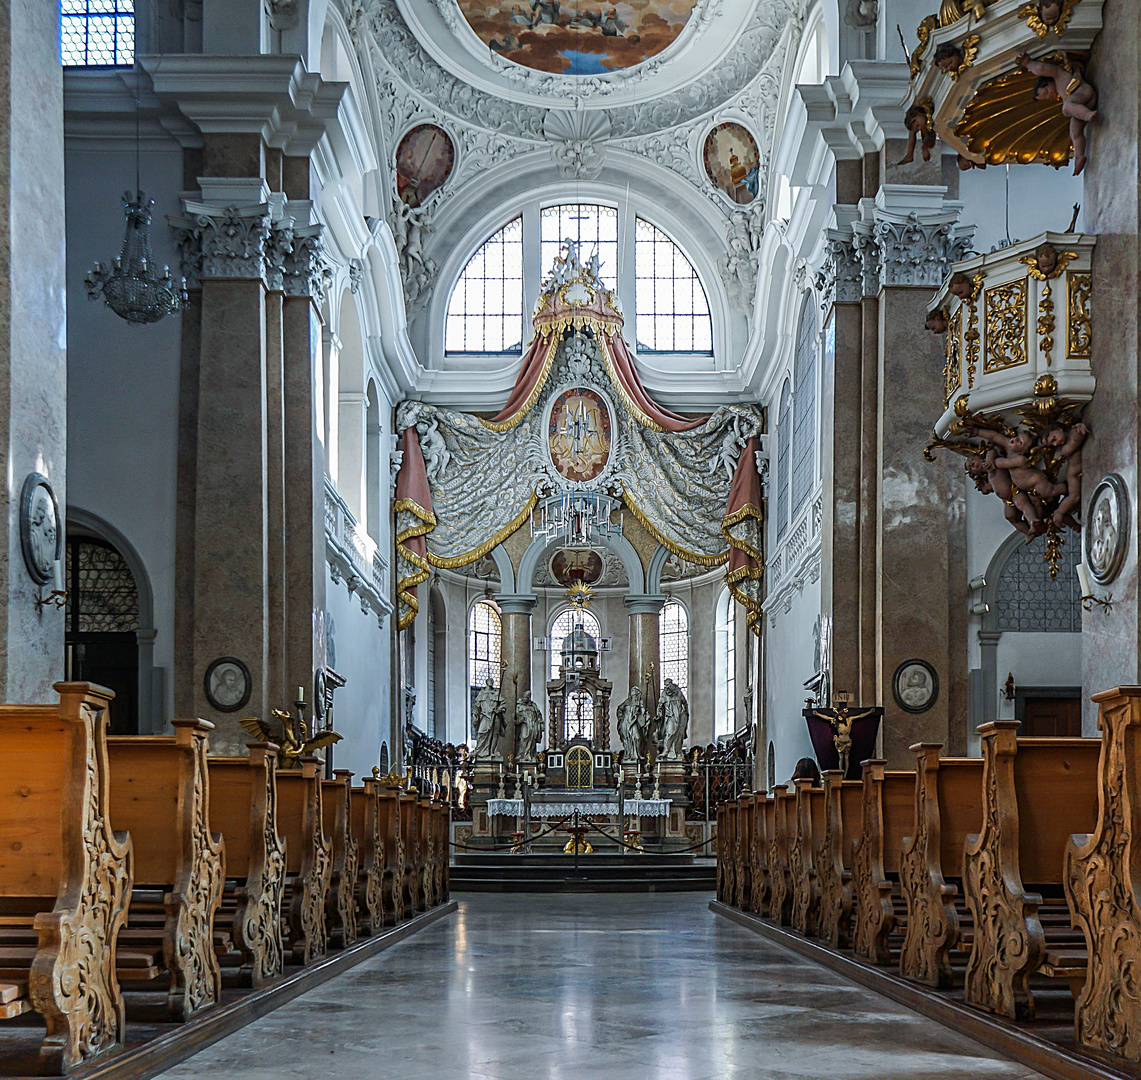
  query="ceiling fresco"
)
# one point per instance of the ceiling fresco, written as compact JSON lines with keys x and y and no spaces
{"x":577,"y":37}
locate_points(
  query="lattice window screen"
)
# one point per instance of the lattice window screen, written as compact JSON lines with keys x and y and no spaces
{"x":1029,"y":600}
{"x":104,"y":598}
{"x":673,"y":644}
{"x":804,"y":410}
{"x":784,"y":445}
{"x":484,"y":645}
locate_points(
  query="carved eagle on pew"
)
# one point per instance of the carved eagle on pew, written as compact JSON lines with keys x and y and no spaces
{"x":293,"y":737}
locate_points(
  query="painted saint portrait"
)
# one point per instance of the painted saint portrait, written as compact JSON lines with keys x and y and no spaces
{"x":733,"y":162}
{"x":576,"y":564}
{"x":915,"y":686}
{"x":424,"y":160}
{"x":577,"y":37}
{"x":579,"y":434}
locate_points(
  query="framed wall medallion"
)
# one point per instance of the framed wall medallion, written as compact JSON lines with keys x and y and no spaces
{"x":41,"y":538}
{"x":228,"y":684}
{"x":424,"y":161}
{"x":579,"y":434}
{"x":915,"y":686}
{"x":1107,"y":529}
{"x":732,"y":162}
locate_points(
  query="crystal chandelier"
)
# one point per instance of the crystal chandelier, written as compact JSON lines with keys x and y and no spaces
{"x":578,"y":517}
{"x":132,"y":288}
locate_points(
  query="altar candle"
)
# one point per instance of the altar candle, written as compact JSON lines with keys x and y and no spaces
{"x":57,"y":576}
{"x":1083,"y":580}
{"x":301,"y":693}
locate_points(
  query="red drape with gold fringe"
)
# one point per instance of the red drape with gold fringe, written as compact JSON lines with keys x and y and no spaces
{"x":742,"y":531}
{"x":414,"y":520}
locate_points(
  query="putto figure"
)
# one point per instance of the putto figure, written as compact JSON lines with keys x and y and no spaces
{"x":1078,"y":98}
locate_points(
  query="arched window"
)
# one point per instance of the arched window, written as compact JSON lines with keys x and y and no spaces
{"x":771,"y":779}
{"x":1027,"y":599}
{"x":485,"y":312}
{"x":97,"y":33}
{"x":594,"y":228}
{"x":804,"y":409}
{"x":784,"y":446}
{"x":671,"y":306}
{"x":484,"y":645}
{"x":725,"y":658}
{"x":437,"y":663}
{"x":564,"y":623}
{"x":673,"y":644}
{"x":102,"y":624}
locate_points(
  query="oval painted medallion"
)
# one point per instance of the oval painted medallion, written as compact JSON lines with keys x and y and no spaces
{"x":579,"y":433}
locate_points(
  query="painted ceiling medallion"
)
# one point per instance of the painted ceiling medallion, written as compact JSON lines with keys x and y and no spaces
{"x":579,"y":434}
{"x":578,"y":37}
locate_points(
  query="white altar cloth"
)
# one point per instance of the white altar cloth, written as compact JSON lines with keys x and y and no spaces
{"x":553,"y":811}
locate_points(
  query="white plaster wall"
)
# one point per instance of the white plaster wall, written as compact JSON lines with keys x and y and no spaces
{"x":361,"y":710}
{"x":789,"y":656}
{"x":122,"y":380}
{"x":1041,"y":199}
{"x":1037,"y":660}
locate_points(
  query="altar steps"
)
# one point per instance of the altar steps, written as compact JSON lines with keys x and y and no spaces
{"x":595,"y":873}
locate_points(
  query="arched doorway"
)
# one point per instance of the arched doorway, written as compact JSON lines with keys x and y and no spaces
{"x":102,"y":625}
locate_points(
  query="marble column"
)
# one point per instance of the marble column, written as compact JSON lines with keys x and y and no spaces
{"x":515,"y":618}
{"x":33,"y":372}
{"x":1111,"y":644}
{"x":645,"y":654}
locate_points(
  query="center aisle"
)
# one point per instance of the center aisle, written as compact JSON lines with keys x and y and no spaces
{"x":609,"y":987}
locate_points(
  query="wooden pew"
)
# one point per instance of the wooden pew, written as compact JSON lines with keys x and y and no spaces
{"x":440,"y":855}
{"x":759,"y":901}
{"x":778,"y":828}
{"x":243,"y":808}
{"x":389,"y":814}
{"x":1036,"y":793}
{"x":1102,"y":877}
{"x":886,"y":816}
{"x":726,"y":836}
{"x":341,"y":899}
{"x":948,"y":808}
{"x":444,"y":826}
{"x":427,"y":854}
{"x":410,"y":835}
{"x":810,"y":825}
{"x":743,"y":858}
{"x":835,"y":857}
{"x":309,"y":860}
{"x":160,"y":792}
{"x":365,"y":809}
{"x":62,"y":864}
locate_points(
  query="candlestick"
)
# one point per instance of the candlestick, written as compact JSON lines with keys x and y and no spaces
{"x":301,"y":693}
{"x":1083,"y":580}
{"x":57,"y":576}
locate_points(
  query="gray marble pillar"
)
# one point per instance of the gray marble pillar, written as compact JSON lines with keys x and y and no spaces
{"x":645,"y":653}
{"x":33,"y":373}
{"x":515,"y":617}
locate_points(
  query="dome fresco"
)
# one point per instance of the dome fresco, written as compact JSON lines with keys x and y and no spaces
{"x":577,"y":37}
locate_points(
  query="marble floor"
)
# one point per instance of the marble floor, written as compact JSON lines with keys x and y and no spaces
{"x":595,"y":987}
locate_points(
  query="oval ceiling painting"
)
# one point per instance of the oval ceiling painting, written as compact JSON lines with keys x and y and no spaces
{"x":732,"y":161}
{"x":424,"y":160}
{"x":577,"y":37}
{"x":578,"y":434}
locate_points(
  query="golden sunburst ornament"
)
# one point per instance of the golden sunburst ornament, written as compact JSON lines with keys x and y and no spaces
{"x":580,"y":595}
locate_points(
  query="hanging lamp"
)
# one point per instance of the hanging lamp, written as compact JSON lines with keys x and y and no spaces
{"x":132,"y":288}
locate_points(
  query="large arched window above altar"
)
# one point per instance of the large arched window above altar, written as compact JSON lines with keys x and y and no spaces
{"x":561,"y":629}
{"x":485,"y":312}
{"x":673,"y":644}
{"x":637,"y":259}
{"x":484,"y":644}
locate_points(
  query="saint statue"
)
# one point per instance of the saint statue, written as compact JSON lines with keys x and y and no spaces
{"x":633,"y":723}
{"x":528,"y":728}
{"x":673,"y":720}
{"x":489,"y":716}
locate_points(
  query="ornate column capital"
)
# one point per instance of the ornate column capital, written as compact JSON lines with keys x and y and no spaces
{"x":916,"y":233}
{"x":222,"y":243}
{"x":305,"y":267}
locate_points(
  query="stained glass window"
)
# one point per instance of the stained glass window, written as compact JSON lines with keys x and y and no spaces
{"x":1029,"y":600}
{"x":485,"y":313}
{"x":103,"y":597}
{"x":484,"y":644}
{"x":561,"y":628}
{"x":97,"y":33}
{"x":673,"y":644}
{"x":593,"y":228}
{"x":672,"y":309}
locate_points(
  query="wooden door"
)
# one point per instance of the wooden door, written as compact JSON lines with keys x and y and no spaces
{"x":1051,"y":716}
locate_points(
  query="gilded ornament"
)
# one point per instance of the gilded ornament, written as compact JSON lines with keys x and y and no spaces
{"x":1032,"y":14}
{"x":1079,"y":325}
{"x":1006,"y":330}
{"x":972,"y":335}
{"x":952,"y":368}
{"x":924,"y":34}
{"x":970,"y":52}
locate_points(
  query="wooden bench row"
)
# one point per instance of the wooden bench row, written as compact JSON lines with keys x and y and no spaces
{"x":990,"y":874}
{"x":131,"y":863}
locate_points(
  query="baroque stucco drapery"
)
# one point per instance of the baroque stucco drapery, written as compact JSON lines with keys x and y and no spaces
{"x":466,"y":483}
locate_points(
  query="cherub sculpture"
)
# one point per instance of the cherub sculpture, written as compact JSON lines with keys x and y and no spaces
{"x":1017,"y":461}
{"x":294,"y":740}
{"x":1019,"y":508}
{"x":917,"y":120}
{"x":1078,"y":98}
{"x":949,"y":57}
{"x":936,"y":321}
{"x":1068,"y":446}
{"x":961,"y":286}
